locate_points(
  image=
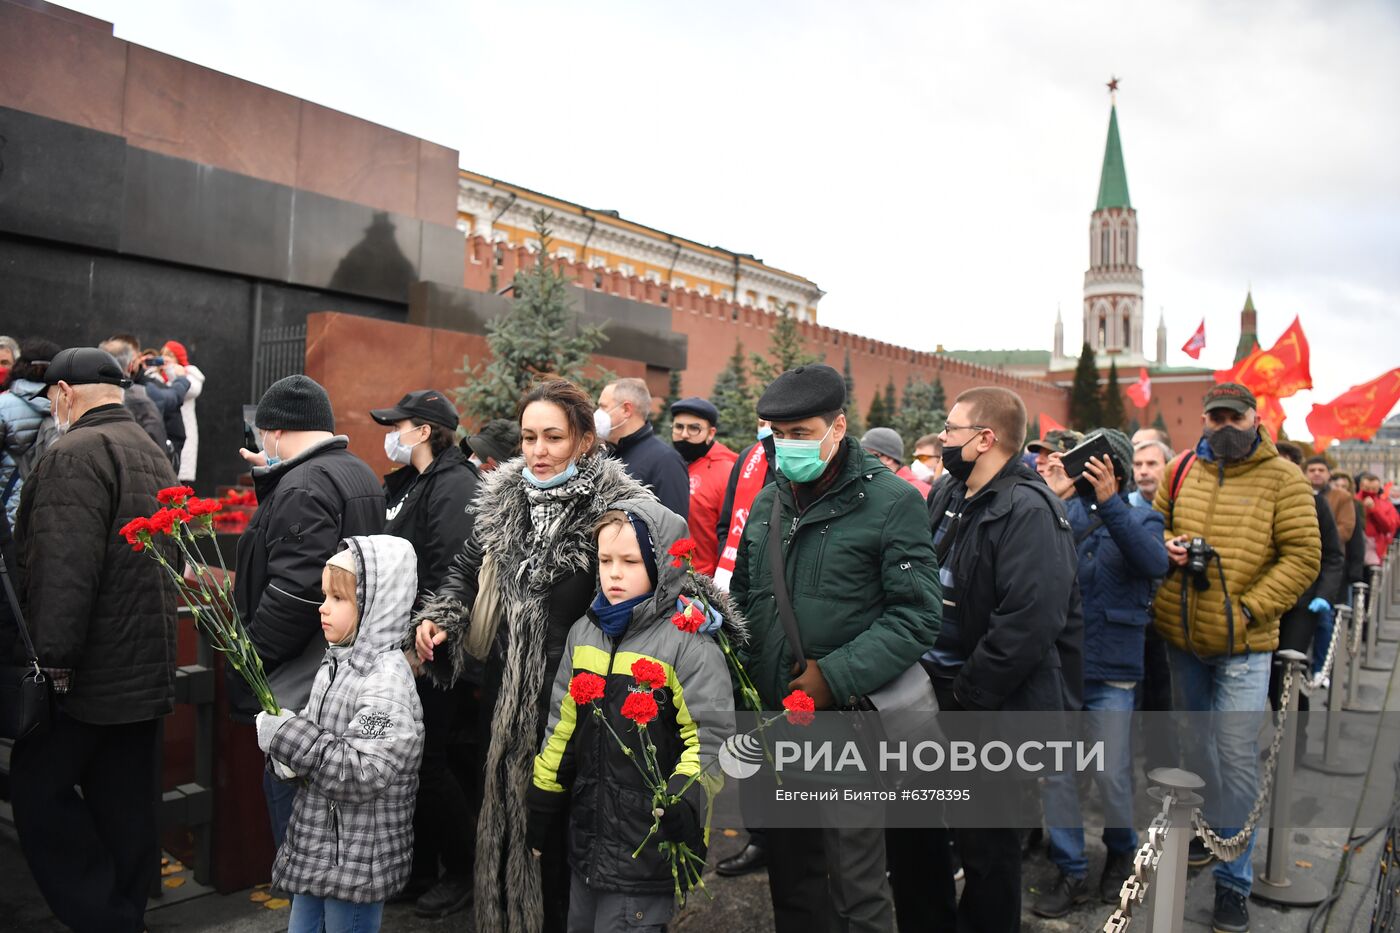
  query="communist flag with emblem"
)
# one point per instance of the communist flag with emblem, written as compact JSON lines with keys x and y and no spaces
{"x":1197,"y":343}
{"x":1271,"y":414}
{"x":1280,"y":371}
{"x":1141,"y":391}
{"x":1356,"y":413}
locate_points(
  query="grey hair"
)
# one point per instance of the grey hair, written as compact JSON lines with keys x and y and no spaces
{"x":121,"y":351}
{"x":1167,"y":452}
{"x":9,"y":343}
{"x":633,"y":390}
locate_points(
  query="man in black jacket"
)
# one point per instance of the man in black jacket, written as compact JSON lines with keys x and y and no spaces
{"x":164,"y":399}
{"x":103,"y":622}
{"x":312,"y":493}
{"x":622,"y":419}
{"x":1013,"y":629}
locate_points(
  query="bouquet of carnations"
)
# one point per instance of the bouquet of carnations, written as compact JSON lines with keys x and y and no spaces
{"x":186,"y":520}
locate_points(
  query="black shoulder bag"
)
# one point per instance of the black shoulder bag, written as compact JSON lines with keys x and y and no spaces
{"x":26,"y":701}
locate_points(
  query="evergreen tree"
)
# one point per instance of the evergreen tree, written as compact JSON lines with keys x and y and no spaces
{"x":1085,"y":410}
{"x":785,"y":351}
{"x":918,"y":416}
{"x":1134,"y":426}
{"x":938,"y":397}
{"x":1114,"y":413}
{"x":877,"y":416}
{"x":734,"y":399}
{"x":891,"y":409}
{"x":854,"y":425}
{"x":541,"y":335}
{"x":1159,"y":422}
{"x":662,"y":425}
{"x":1033,"y":429}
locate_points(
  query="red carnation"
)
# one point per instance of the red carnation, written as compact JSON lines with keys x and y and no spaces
{"x":648,"y":673}
{"x":801,"y":708}
{"x":688,"y":621}
{"x":202,"y":507}
{"x":681,"y":551}
{"x":640,"y":707}
{"x":134,"y":528}
{"x":586,"y":687}
{"x":174,"y":494}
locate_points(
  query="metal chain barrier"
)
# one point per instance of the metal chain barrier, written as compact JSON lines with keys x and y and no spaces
{"x":1133,"y":894}
{"x":1229,"y":849}
{"x":1326,"y":669}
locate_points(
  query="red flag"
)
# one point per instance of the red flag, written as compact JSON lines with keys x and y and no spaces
{"x":1271,"y":414}
{"x":1280,"y":371}
{"x":1141,"y":391}
{"x":1197,"y":343}
{"x":1048,"y":424}
{"x":1356,"y":413}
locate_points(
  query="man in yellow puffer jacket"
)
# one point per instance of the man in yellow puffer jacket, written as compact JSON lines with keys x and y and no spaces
{"x":1256,"y":511}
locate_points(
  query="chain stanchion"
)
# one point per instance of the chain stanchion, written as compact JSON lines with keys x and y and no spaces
{"x":1277,"y":885}
{"x":1358,"y":617}
{"x":1387,"y":601}
{"x":1156,"y":890}
{"x":1336,"y":668}
{"x":1373,"y":619}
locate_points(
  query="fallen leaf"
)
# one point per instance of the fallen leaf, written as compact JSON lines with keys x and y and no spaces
{"x":173,"y":882}
{"x":731,"y":833}
{"x":172,"y":869}
{"x":1302,"y":864}
{"x":277,"y":903}
{"x":257,"y":897}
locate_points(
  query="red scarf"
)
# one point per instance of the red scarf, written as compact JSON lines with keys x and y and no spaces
{"x":750,"y":484}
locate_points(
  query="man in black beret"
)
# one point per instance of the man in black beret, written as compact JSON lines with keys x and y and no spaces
{"x":694,"y":422}
{"x":102,"y":619}
{"x":865,"y":593}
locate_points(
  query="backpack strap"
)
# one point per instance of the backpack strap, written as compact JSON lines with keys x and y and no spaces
{"x":1183,"y":466}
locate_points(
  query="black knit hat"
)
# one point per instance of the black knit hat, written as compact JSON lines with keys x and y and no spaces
{"x":296,"y":403}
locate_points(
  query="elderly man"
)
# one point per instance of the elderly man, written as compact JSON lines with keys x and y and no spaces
{"x":623,"y":419}
{"x":103,"y":623}
{"x":1150,"y":459}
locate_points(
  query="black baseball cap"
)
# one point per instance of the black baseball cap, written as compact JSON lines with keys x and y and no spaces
{"x":81,"y":366}
{"x":1230,"y":395}
{"x":427,"y":405}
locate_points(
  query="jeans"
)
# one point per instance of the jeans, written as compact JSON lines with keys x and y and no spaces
{"x":1322,"y":640}
{"x":315,"y":914}
{"x":1108,"y":718}
{"x":281,"y":795}
{"x":1226,"y":754}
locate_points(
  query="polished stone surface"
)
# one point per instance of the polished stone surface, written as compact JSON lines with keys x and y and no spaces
{"x":59,"y":181}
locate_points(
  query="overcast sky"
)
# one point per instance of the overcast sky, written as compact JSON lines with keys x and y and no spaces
{"x":932,"y":166}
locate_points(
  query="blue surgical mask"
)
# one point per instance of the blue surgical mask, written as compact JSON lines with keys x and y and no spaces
{"x":272,"y":458}
{"x":558,"y":479}
{"x":764,"y":431}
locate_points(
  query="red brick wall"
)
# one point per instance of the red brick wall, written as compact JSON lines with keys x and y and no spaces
{"x":713,"y":325}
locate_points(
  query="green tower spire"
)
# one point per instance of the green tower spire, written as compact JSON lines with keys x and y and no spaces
{"x":1113,"y":181}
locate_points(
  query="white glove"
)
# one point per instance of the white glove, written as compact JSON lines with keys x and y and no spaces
{"x":281,"y":770}
{"x":268,"y":724}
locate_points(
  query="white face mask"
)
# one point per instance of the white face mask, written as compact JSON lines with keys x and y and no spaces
{"x":921,"y":471}
{"x":396,"y":451}
{"x":63,"y":424}
{"x":603,"y":422}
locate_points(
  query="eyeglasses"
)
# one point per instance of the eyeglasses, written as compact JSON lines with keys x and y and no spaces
{"x":926,"y":458}
{"x":688,"y":430}
{"x":949,"y":428}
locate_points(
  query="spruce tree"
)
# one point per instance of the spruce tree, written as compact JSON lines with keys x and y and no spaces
{"x":1134,"y":426}
{"x":854,"y":425}
{"x":937,"y":397}
{"x":891,"y":409}
{"x":734,"y":399}
{"x":1033,"y":429}
{"x":1085,"y":410}
{"x":1159,"y":422}
{"x":877,"y":416}
{"x":541,"y":335}
{"x":1114,"y":413}
{"x":785,"y":351}
{"x":918,"y":415}
{"x":662,"y":425}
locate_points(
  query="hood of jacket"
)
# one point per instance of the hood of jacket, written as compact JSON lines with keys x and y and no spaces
{"x":666,"y":529}
{"x":386,"y":581}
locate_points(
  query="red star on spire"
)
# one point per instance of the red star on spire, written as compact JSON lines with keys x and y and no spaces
{"x":1112,"y":85}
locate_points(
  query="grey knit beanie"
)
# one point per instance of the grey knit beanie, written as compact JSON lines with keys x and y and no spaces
{"x":296,"y":403}
{"x":884,"y":441}
{"x":1122,"y":450}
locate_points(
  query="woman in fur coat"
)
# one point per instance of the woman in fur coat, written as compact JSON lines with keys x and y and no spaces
{"x":529,"y":571}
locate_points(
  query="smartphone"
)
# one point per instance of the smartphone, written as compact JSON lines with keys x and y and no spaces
{"x":1095,"y":445}
{"x":250,"y":433}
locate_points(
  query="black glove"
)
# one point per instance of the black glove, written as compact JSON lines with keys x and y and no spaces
{"x":537,"y":829}
{"x":679,"y":824}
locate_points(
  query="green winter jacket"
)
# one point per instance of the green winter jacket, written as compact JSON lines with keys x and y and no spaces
{"x":862,"y":578}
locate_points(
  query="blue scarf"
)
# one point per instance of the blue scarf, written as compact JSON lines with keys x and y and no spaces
{"x":613,"y":619}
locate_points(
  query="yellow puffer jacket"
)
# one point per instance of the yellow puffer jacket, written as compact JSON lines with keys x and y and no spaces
{"x":1259,"y":515}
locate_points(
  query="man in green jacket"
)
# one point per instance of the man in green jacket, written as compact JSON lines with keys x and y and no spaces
{"x":859,"y":566}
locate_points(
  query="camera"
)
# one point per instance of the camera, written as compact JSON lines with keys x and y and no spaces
{"x":1199,"y":554}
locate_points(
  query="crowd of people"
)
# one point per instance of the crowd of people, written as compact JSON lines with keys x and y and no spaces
{"x":426,"y":634}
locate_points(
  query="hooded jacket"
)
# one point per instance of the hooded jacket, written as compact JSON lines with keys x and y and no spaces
{"x":861,"y":575}
{"x":26,"y":430}
{"x":357,"y":745}
{"x":1259,"y":516}
{"x":94,"y":606}
{"x":433,"y":510}
{"x":579,"y":761}
{"x":306,"y":506}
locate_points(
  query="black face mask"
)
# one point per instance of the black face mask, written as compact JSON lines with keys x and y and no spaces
{"x":954,"y":463}
{"x":1230,"y":443}
{"x":690,"y":451}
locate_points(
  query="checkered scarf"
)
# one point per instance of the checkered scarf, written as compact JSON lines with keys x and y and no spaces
{"x":547,"y":506}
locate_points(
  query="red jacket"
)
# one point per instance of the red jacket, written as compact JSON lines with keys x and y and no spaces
{"x":708,"y":477}
{"x":1382,"y":522}
{"x":907,"y":475}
